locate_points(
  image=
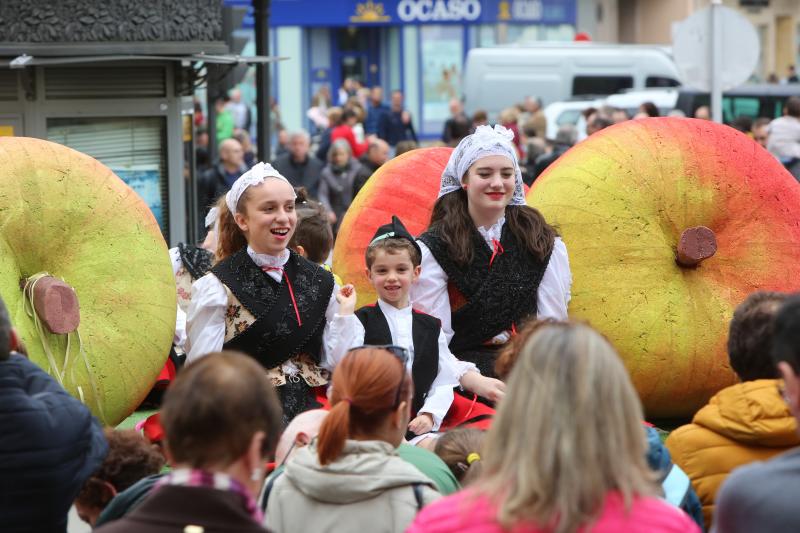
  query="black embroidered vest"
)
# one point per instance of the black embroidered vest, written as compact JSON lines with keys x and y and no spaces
{"x":196,"y":260}
{"x":425,"y":334}
{"x":496,"y":297}
{"x":275,"y":336}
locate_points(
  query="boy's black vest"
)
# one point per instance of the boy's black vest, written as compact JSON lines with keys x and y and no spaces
{"x":275,"y":336}
{"x":498,"y":297}
{"x":425,"y":334}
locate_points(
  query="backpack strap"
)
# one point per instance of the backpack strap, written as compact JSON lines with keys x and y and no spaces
{"x":418,"y":495}
{"x":264,"y":500}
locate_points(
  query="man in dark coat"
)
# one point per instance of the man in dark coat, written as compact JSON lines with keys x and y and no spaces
{"x":396,"y":125}
{"x":377,"y":154}
{"x":218,"y":179}
{"x":49,"y":443}
{"x":297,"y":165}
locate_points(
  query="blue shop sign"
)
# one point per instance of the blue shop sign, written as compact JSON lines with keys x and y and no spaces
{"x":398,"y":12}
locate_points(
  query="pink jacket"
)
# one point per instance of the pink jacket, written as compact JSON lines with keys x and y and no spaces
{"x":462,"y":514}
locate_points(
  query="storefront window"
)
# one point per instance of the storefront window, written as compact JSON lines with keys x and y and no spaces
{"x":133,"y":148}
{"x":442,"y":55}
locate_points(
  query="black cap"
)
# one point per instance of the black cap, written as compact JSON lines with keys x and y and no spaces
{"x":394,"y":230}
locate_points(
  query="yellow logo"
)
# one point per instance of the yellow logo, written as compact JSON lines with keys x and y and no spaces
{"x":369,"y":11}
{"x":504,"y":10}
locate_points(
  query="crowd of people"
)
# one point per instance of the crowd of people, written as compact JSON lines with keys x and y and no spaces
{"x":353,"y":135}
{"x":481,"y":408}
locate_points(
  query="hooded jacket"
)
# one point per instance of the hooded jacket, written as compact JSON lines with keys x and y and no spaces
{"x":742,"y":423}
{"x":369,"y":487}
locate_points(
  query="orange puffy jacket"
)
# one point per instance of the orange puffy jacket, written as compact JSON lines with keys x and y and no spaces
{"x":742,"y":423}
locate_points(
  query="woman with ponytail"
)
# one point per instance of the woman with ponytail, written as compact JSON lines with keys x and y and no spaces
{"x":350,"y":478}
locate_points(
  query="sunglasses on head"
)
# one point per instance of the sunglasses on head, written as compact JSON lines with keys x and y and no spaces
{"x":397,"y":351}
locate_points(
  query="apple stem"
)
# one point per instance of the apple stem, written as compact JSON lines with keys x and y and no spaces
{"x":695,"y":245}
{"x":55,"y":303}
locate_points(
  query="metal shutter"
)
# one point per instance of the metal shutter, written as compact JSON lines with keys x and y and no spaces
{"x":123,"y":144}
{"x":70,"y":83}
{"x":8,"y":86}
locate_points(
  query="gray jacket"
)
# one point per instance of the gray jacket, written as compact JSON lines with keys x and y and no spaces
{"x":368,"y":488}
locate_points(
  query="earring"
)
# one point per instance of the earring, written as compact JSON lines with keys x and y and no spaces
{"x":257,"y":474}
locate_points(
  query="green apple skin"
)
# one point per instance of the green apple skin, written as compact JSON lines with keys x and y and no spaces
{"x":64,"y":213}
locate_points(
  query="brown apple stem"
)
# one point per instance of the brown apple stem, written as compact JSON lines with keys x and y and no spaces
{"x":696,"y":245}
{"x":56,"y":304}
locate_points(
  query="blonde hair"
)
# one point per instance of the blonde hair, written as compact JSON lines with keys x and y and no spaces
{"x":567,"y":433}
{"x":461,"y":450}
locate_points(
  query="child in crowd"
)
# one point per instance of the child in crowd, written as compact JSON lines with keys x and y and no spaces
{"x":393,"y":265}
{"x":393,"y":259}
{"x":262,"y":298}
{"x":313,"y":237}
{"x":461,"y":450}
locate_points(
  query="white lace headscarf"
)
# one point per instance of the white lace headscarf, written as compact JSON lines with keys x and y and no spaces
{"x":486,"y":141}
{"x":255,"y":176}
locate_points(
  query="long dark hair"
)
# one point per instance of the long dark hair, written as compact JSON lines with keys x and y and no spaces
{"x":451,"y":220}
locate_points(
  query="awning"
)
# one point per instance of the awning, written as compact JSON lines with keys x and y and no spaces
{"x":25,"y":60}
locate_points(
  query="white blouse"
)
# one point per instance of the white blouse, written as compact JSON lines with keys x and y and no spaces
{"x":179,"y":339}
{"x":430,"y":295}
{"x":206,"y":317}
{"x":346,"y":332}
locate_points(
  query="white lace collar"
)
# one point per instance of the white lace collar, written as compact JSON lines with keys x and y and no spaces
{"x":266,"y":260}
{"x":389,"y":309}
{"x":493,"y":232}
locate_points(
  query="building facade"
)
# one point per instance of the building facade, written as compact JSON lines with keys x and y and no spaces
{"x":113,"y":80}
{"x":777,"y":23}
{"x":417,"y":46}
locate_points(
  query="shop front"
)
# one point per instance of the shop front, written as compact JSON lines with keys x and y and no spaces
{"x":417,"y":46}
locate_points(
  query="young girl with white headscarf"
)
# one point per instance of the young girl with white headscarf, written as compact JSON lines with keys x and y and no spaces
{"x":488,"y":260}
{"x":261,"y":297}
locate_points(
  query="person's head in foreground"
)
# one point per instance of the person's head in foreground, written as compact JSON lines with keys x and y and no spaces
{"x":750,"y":336}
{"x":461,"y":451}
{"x":222,"y":414}
{"x":566,"y":450}
{"x":351,"y":476}
{"x":786,"y":351}
{"x":130,"y":458}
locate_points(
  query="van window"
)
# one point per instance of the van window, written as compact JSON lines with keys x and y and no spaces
{"x":737,"y":106}
{"x":661,"y":81}
{"x":600,"y":84}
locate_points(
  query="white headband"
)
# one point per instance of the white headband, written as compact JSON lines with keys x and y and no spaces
{"x":255,"y":176}
{"x":486,"y":141}
{"x":211,"y":217}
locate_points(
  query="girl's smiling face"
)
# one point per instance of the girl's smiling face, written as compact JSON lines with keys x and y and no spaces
{"x":267,"y":217}
{"x":490,"y":183}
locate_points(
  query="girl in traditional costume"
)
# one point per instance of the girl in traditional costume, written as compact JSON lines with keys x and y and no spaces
{"x":488,"y":260}
{"x":262,"y":298}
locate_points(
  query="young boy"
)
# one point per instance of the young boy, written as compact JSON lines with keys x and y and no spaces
{"x":393,"y":264}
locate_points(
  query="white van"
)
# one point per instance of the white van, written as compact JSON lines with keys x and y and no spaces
{"x":499,"y":77}
{"x":664,"y":100}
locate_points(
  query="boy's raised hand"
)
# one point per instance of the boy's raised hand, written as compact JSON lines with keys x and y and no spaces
{"x":347,"y":300}
{"x":421,"y":424}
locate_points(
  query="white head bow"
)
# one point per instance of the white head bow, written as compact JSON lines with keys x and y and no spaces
{"x":255,"y":176}
{"x":486,"y":141}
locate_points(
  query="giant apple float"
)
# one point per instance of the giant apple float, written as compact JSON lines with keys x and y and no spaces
{"x":406,"y":186}
{"x":623,"y":201}
{"x":65,"y":214}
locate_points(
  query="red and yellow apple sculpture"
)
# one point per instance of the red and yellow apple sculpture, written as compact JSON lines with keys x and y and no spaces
{"x":623,"y":200}
{"x":65,"y":214}
{"x":406,"y":186}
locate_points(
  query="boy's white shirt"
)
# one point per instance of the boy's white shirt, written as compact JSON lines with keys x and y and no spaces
{"x":346,"y":332}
